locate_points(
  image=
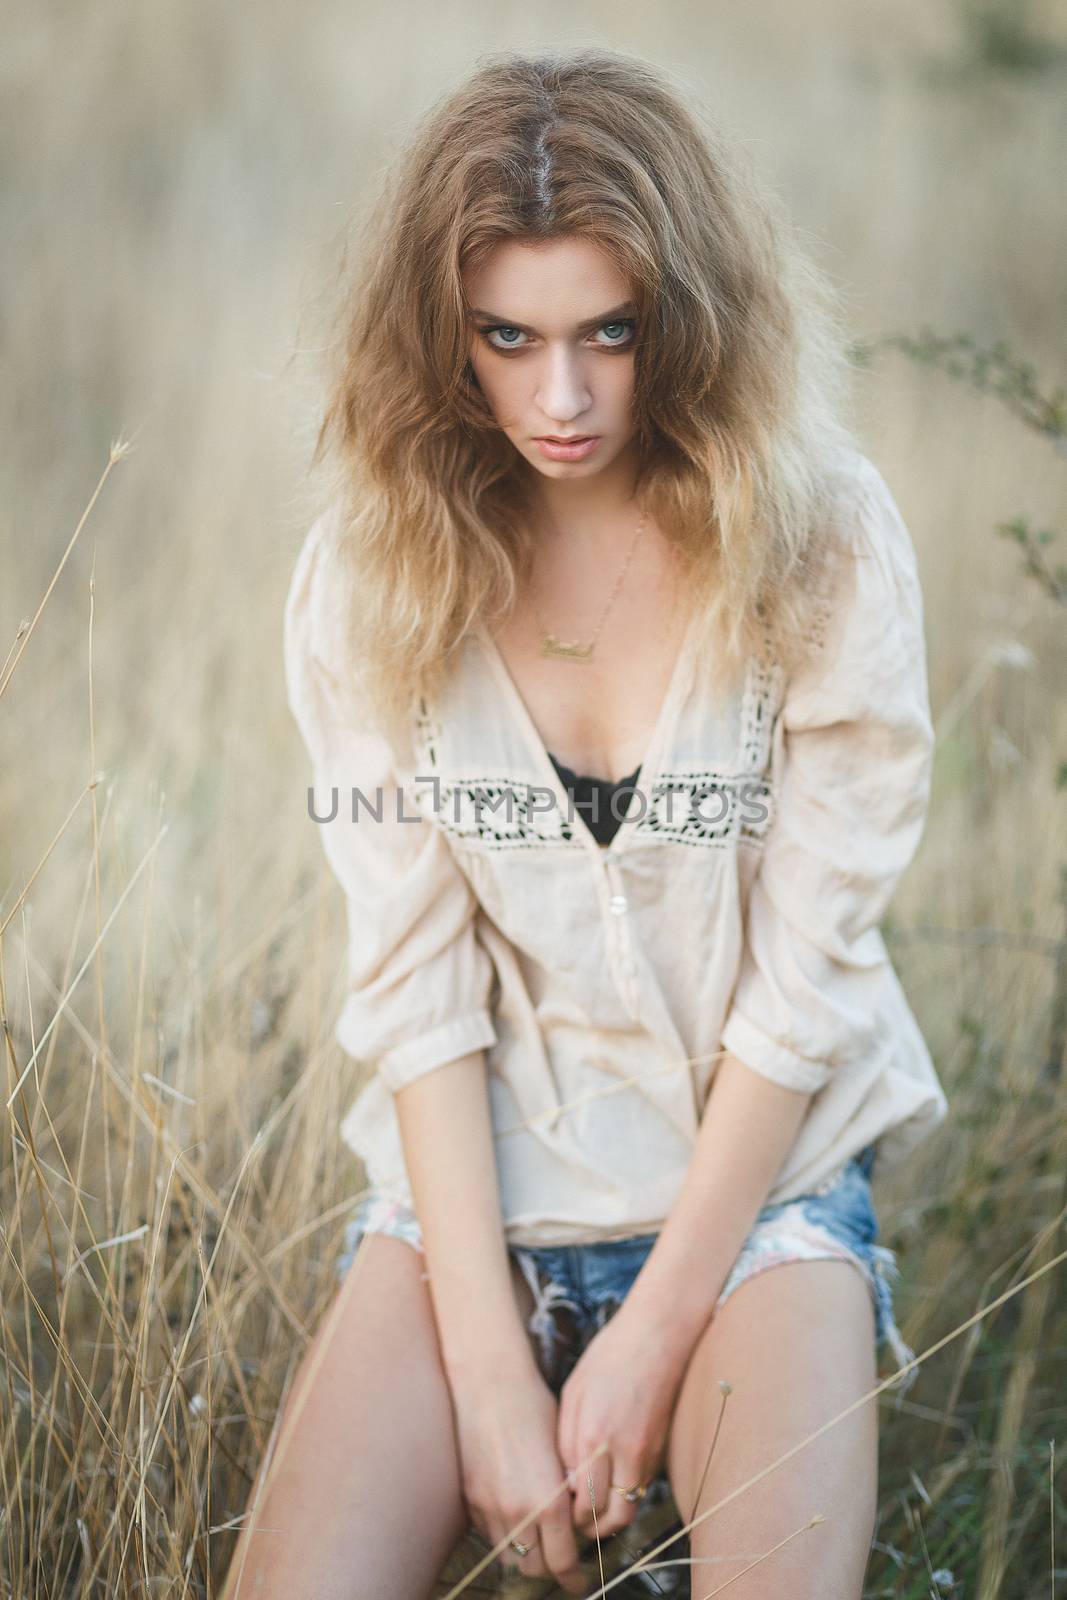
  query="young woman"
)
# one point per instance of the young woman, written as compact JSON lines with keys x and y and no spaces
{"x":618,"y":637}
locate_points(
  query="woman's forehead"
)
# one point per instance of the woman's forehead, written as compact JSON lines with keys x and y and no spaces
{"x":564,"y":281}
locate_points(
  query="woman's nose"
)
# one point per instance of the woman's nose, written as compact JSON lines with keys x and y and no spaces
{"x":563,"y":394}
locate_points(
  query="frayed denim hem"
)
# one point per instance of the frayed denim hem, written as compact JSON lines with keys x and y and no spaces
{"x":577,"y":1288}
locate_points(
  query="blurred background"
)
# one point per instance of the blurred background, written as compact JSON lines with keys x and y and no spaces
{"x":178,"y":185}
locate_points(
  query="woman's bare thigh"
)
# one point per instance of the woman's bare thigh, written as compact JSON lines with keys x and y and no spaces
{"x":796,"y":1344}
{"x":363,"y":1492}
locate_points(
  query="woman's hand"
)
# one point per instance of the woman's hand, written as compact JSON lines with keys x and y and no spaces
{"x":506,"y":1422}
{"x":621,"y":1393}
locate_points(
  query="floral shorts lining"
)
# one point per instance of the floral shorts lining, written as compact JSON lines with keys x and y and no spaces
{"x":576,"y":1288}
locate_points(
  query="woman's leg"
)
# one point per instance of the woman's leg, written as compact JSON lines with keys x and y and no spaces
{"x":363,"y":1495}
{"x":796,"y":1343}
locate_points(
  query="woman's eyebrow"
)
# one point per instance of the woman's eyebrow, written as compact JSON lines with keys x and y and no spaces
{"x":626,"y":309}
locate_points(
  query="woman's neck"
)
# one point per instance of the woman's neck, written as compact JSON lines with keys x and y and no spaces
{"x":592,"y":511}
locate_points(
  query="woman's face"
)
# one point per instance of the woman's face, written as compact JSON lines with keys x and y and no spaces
{"x":553,"y":351}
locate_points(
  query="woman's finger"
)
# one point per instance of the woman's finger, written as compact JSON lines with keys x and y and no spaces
{"x":559,"y":1545}
{"x":626,"y":1474}
{"x":531,"y":1565}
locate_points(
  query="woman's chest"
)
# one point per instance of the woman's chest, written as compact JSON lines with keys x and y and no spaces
{"x":598,"y":714}
{"x":484,"y":774}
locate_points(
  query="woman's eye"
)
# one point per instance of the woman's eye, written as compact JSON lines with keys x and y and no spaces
{"x":627,"y":328}
{"x":509,"y":344}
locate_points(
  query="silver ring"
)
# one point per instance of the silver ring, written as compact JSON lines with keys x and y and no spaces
{"x":521,"y":1549}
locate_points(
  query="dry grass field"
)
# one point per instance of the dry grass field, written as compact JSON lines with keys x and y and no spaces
{"x":176,"y":182}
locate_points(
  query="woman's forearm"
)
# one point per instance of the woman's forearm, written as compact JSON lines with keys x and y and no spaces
{"x":746,"y":1129}
{"x":446,"y":1132}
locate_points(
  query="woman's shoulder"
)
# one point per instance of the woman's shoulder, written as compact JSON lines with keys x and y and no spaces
{"x":866,"y":623}
{"x":865,"y":511}
{"x":314,"y":594}
{"x":869,"y":577}
{"x":320,"y":607}
{"x":318,"y":614}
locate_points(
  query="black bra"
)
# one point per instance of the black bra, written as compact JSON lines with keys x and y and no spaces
{"x":593,"y":799}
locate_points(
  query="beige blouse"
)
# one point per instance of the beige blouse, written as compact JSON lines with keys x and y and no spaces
{"x":736,"y":909}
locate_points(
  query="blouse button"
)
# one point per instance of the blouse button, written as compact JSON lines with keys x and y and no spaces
{"x":617,"y":904}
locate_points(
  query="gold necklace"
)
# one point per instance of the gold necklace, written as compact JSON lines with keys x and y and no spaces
{"x":570,"y":649}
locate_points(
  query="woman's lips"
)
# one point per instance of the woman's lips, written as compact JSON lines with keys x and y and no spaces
{"x":569,"y":450}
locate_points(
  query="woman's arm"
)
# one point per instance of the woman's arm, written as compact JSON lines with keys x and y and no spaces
{"x":418,"y":996}
{"x":505,"y":1414}
{"x":623,"y":1389}
{"x":857,"y":743}
{"x":447,"y":1137}
{"x":746,"y":1130}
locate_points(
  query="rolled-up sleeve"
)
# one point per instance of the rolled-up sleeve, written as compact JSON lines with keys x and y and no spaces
{"x":418,"y":979}
{"x":856,"y":752}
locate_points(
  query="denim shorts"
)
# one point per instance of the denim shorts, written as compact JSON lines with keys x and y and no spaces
{"x":577,"y":1287}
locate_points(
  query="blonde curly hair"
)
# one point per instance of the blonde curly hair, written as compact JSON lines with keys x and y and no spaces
{"x":741,"y":375}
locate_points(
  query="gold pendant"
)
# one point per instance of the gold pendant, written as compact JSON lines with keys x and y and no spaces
{"x":551,"y":646}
